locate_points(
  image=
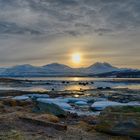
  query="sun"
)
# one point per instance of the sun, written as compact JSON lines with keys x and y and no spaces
{"x":76,"y":58}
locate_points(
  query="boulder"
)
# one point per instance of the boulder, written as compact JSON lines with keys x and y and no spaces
{"x":101,"y":105}
{"x":48,"y":107}
{"x":123,"y":120}
{"x":62,"y":103}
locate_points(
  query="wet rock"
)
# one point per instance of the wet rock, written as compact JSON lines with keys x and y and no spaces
{"x":120,"y":121}
{"x":100,"y":88}
{"x":107,"y":87}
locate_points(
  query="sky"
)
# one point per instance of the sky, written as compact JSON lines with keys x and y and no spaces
{"x":39,"y":32}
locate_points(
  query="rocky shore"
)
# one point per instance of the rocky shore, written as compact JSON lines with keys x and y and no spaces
{"x":96,"y":114}
{"x":61,"y":115}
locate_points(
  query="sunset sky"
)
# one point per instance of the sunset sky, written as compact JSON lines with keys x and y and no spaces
{"x":39,"y":32}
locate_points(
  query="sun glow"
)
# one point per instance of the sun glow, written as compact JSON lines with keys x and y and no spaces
{"x":76,"y":58}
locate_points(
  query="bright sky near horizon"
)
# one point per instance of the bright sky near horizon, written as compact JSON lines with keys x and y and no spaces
{"x":77,"y":33}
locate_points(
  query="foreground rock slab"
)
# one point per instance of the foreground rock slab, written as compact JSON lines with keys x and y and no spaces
{"x":120,"y":121}
{"x":56,"y":126}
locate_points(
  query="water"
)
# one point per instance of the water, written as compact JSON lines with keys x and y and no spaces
{"x":76,"y":79}
{"x":56,"y":83}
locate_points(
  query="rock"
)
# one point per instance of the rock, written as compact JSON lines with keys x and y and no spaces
{"x":90,"y":119}
{"x":12,"y":102}
{"x":101,"y":105}
{"x":73,"y":100}
{"x":85,"y":126}
{"x":35,"y":96}
{"x":100,"y":99}
{"x":48,"y":117}
{"x":44,"y":123}
{"x":52,"y":100}
{"x":51,"y":108}
{"x":123,"y":120}
{"x":107,"y":87}
{"x":12,"y":135}
{"x":62,"y":103}
{"x":81,"y":103}
{"x":64,"y":106}
{"x":100,"y":88}
{"x":23,"y":97}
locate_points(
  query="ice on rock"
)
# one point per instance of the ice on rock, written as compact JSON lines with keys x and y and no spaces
{"x":23,"y":97}
{"x":103,"y":104}
{"x":38,"y":96}
{"x":133,"y":103}
{"x":100,"y":105}
{"x":81,"y":103}
{"x":60,"y":102}
{"x":73,"y":100}
{"x":65,"y":106}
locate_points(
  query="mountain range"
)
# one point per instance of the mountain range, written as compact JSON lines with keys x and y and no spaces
{"x":55,"y":69}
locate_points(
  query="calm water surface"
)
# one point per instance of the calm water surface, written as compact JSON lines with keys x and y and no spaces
{"x":57,"y":84}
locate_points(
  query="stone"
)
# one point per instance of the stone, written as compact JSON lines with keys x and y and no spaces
{"x":23,"y":97}
{"x":12,"y":102}
{"x":35,"y":96}
{"x":101,"y":105}
{"x":50,"y":108}
{"x":56,"y":126}
{"x":123,"y":120}
{"x":62,"y":103}
{"x":48,"y":117}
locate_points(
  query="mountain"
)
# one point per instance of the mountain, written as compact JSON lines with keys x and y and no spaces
{"x":56,"y":69}
{"x":22,"y":70}
{"x":101,"y":68}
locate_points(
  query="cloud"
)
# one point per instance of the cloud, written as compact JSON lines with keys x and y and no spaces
{"x":75,"y":16}
{"x":27,"y":27}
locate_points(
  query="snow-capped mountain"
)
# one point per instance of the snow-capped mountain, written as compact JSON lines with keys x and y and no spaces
{"x":101,"y":68}
{"x":56,"y":69}
{"x":22,"y":70}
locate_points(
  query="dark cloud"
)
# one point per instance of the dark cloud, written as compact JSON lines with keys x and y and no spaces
{"x":56,"y":16}
{"x":28,"y":26}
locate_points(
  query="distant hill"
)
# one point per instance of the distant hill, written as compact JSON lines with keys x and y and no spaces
{"x":55,"y":69}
